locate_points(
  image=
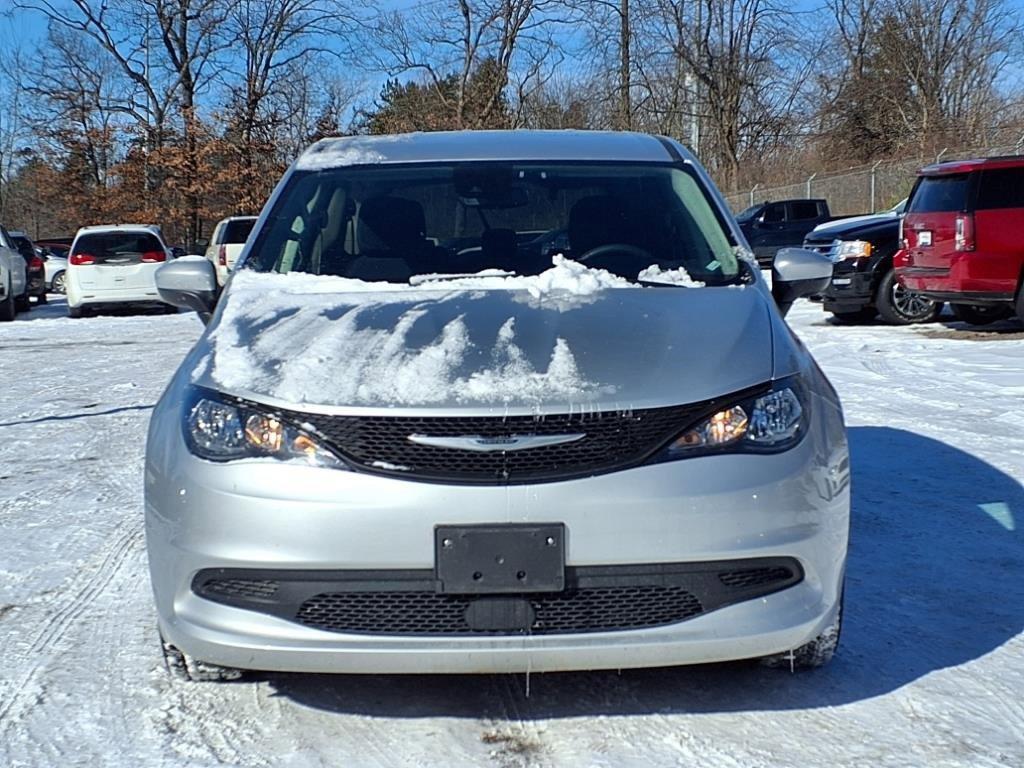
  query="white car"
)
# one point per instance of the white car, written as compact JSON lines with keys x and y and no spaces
{"x":113,"y":265}
{"x":227,"y":242}
{"x":13,"y":278}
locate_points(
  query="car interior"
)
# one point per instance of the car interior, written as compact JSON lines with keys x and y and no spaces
{"x":390,"y":224}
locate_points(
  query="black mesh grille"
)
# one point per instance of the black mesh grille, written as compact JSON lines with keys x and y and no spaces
{"x":251,"y":588}
{"x":424,"y":613}
{"x":754,"y":577}
{"x":597,"y":598}
{"x":614,"y":440}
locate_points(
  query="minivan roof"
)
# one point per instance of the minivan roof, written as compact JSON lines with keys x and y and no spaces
{"x":513,"y":146}
{"x":975,"y":164}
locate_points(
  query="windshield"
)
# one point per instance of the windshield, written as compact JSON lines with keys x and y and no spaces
{"x":127,"y":247}
{"x":237,"y":230}
{"x":749,"y":213}
{"x":24,"y":246}
{"x":939,"y":194}
{"x":395,"y":223}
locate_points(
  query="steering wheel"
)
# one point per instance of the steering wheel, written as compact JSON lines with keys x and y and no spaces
{"x":637,"y":256}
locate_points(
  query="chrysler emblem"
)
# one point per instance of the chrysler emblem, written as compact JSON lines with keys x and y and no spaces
{"x":500,"y":443}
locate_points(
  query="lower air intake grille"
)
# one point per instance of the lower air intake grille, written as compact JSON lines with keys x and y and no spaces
{"x":754,"y":577}
{"x":596,"y":598}
{"x":419,"y":613}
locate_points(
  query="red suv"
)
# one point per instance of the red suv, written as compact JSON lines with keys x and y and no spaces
{"x":963,"y":237}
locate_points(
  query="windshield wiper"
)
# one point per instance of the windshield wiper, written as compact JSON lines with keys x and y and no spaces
{"x":438,"y":277}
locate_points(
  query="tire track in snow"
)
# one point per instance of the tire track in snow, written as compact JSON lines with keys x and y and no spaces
{"x":65,"y":611}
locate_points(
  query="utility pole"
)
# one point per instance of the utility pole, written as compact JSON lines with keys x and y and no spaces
{"x":625,"y":108}
{"x":695,"y":107}
{"x":147,"y":144}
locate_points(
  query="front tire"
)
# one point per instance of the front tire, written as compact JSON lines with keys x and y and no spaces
{"x":979,"y":314}
{"x":898,"y":306}
{"x":75,"y":312}
{"x":187,"y":669}
{"x":41,"y":298}
{"x":817,"y":653}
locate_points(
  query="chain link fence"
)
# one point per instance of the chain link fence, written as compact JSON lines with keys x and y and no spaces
{"x":860,"y":190}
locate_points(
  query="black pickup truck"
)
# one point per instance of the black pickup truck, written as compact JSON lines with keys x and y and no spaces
{"x":863,"y":282}
{"x":772,"y":225}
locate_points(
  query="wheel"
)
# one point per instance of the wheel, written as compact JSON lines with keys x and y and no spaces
{"x":817,"y":653}
{"x":7,"y":308}
{"x":76,"y":312}
{"x":41,"y":298}
{"x":23,"y":303}
{"x":59,"y":284}
{"x":979,"y":314}
{"x":865,"y":315}
{"x":181,"y":666}
{"x":898,"y":306}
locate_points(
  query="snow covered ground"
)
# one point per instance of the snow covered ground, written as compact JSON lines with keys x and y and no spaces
{"x":930,"y":673}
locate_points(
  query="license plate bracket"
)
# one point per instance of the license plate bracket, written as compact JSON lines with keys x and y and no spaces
{"x":499,"y":559}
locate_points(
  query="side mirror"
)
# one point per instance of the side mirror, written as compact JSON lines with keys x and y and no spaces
{"x":797,"y":273}
{"x":189,"y":282}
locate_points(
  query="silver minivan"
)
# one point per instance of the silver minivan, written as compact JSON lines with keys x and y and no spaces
{"x":496,"y":402}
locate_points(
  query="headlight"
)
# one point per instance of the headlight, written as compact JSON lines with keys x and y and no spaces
{"x":851,"y":249}
{"x":218,"y":429}
{"x":767,"y":423}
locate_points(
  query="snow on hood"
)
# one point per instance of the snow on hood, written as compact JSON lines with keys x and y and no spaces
{"x":680,"y":277}
{"x":493,"y":340}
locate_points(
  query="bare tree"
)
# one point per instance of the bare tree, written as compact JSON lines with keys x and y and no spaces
{"x":952,"y":52}
{"x":450,"y":42}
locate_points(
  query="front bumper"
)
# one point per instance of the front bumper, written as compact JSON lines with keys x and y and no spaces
{"x":275,"y":517}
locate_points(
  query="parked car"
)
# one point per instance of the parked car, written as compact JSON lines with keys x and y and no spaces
{"x":113,"y":265}
{"x":56,"y":264}
{"x":384,"y":456}
{"x":36,"y":261}
{"x":772,"y":225}
{"x":13,"y":278}
{"x":226,"y":243}
{"x":863,"y":280}
{"x":962,"y":239}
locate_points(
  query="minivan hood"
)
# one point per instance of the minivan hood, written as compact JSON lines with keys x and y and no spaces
{"x":313,"y":345}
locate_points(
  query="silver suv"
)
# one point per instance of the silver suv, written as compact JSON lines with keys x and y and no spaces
{"x":414,"y":439}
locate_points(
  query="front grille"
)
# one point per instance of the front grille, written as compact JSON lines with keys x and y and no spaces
{"x":614,"y":440}
{"x":423,"y":613}
{"x":753,"y":577}
{"x":596,"y":598}
{"x":825,"y":247}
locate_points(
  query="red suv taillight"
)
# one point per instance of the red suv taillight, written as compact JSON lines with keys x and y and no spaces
{"x":964,"y":240}
{"x":36,"y":263}
{"x":222,"y":256}
{"x":151,"y":257}
{"x":80,"y":259}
